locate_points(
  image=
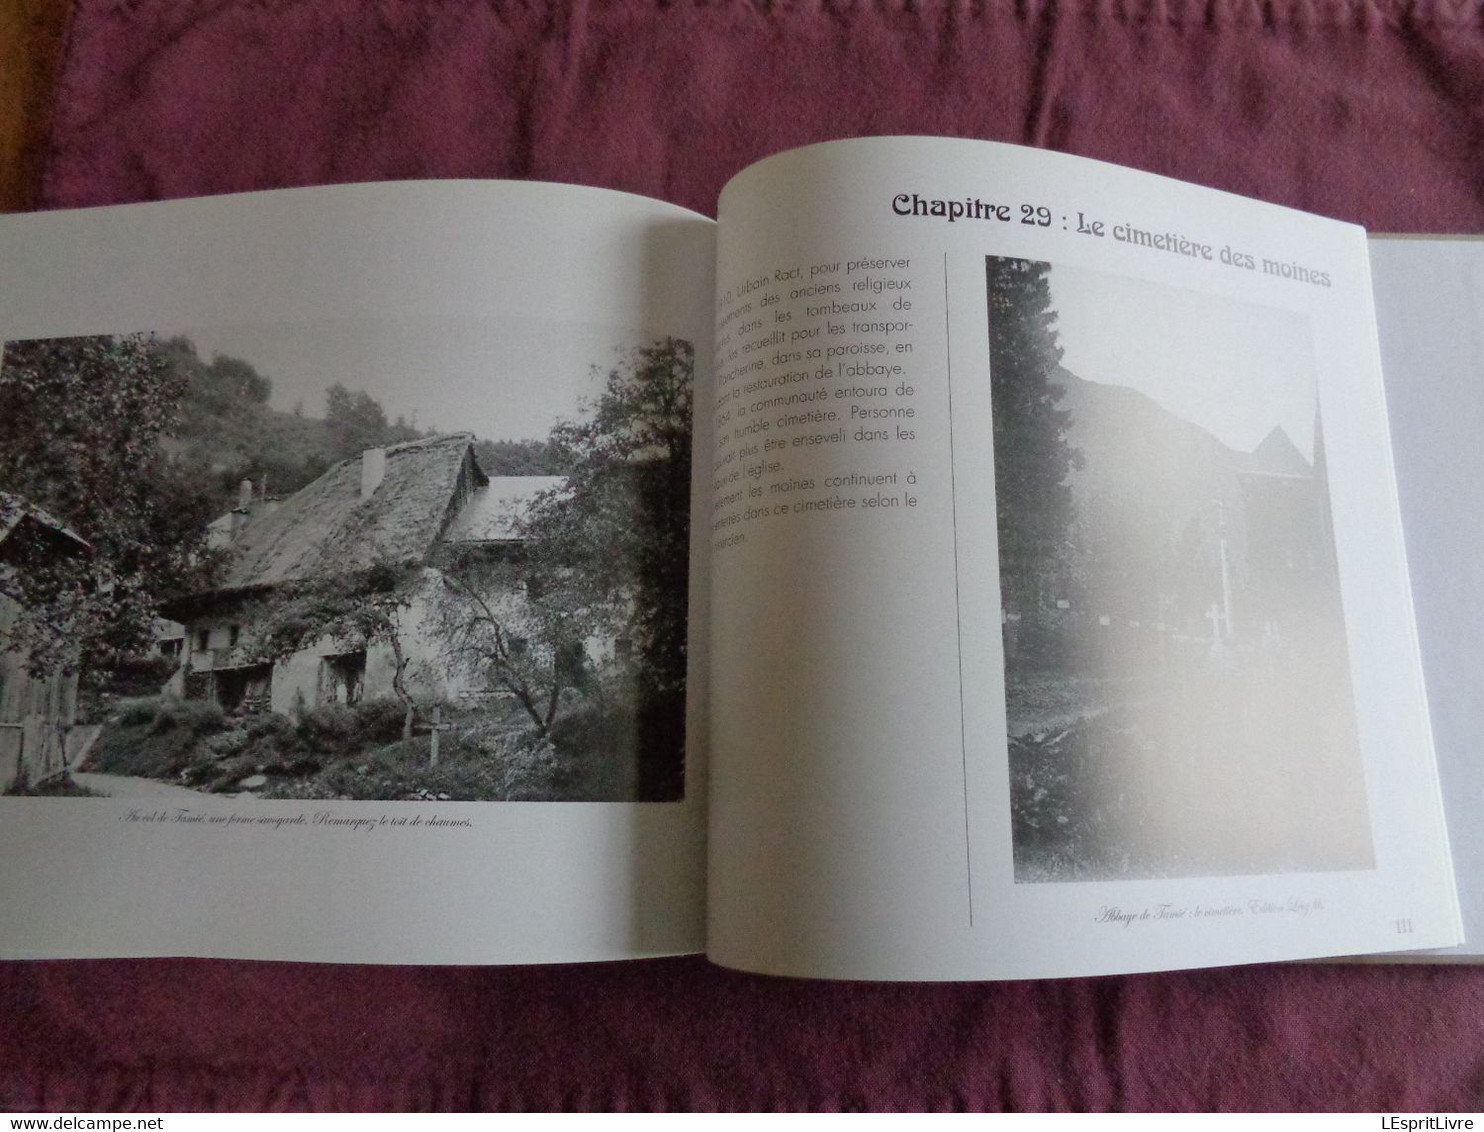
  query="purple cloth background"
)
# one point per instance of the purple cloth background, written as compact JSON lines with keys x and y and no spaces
{"x":1371,"y":111}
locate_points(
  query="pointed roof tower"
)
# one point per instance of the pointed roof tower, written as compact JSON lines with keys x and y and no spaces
{"x":1277,"y":456}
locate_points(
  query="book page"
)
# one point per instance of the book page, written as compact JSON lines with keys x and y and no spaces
{"x":343,"y":576}
{"x":1430,"y":312}
{"x":1060,"y":610}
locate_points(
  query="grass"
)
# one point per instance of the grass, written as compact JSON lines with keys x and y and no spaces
{"x":518,"y":770}
{"x":489,"y":753}
{"x":1066,"y":808}
{"x":1246,"y":763}
{"x":485,"y":755}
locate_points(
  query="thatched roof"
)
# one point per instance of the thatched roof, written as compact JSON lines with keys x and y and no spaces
{"x":326,"y":527}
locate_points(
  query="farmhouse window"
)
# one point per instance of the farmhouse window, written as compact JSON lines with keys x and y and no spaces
{"x":345,"y":677}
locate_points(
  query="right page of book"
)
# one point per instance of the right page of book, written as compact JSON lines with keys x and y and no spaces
{"x":1061,"y":620}
{"x":1430,"y":310}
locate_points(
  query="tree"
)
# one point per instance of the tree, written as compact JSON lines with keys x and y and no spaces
{"x":1032,"y":458}
{"x":519,"y":458}
{"x":356,"y":608}
{"x":356,"y":421}
{"x":223,"y":389}
{"x":520,"y":624}
{"x":81,"y":425}
{"x":620,"y":532}
{"x":228,"y":432}
{"x":603,"y":555}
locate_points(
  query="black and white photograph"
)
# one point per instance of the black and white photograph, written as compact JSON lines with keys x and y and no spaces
{"x":1177,"y":680}
{"x":422,"y":561}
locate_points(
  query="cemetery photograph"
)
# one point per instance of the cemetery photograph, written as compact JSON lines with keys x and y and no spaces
{"x":1177,"y":680}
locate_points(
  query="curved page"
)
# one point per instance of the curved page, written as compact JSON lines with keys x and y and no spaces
{"x":343,"y":576}
{"x":1061,"y":620}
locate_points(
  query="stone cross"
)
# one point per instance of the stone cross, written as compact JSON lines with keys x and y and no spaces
{"x":434,"y":729}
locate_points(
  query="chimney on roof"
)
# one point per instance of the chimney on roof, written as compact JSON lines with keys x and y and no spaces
{"x":239,"y":515}
{"x":373,"y":470}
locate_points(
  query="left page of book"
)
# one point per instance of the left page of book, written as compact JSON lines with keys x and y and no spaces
{"x":344,"y":580}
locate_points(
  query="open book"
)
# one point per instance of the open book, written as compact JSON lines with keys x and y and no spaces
{"x":956,"y":561}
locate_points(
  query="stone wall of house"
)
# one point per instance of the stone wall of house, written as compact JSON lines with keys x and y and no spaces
{"x":337,"y":671}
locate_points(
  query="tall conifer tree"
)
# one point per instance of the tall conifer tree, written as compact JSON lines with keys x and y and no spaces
{"x":1032,"y":458}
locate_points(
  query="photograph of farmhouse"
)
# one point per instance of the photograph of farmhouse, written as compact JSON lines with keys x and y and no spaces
{"x":1177,"y":680}
{"x":345,"y":560}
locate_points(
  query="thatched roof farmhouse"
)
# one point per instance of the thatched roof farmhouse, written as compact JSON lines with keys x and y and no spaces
{"x":398,"y":504}
{"x":388,"y":503}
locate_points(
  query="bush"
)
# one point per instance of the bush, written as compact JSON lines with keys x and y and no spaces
{"x":199,"y":717}
{"x":271,"y":725}
{"x":226,"y":743}
{"x":519,"y":767}
{"x":330,"y":727}
{"x":380,"y":721}
{"x":347,"y":728}
{"x":589,"y":728}
{"x":273,"y":739}
{"x":132,"y":713}
{"x":598,"y":748}
{"x":140,"y":750}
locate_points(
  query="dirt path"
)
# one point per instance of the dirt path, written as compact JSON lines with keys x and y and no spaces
{"x":123,"y":786}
